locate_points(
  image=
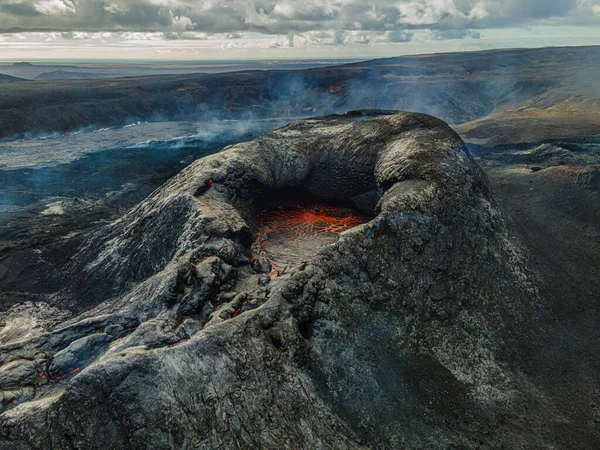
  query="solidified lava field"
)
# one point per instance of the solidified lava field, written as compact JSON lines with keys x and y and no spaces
{"x":287,"y":236}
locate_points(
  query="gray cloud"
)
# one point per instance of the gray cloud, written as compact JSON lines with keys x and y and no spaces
{"x":19,"y":10}
{"x":442,"y":35}
{"x":281,"y":17}
{"x":400,"y":36}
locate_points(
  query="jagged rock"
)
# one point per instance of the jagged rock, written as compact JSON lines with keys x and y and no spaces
{"x":399,"y":335}
{"x":78,"y":354}
{"x":114,"y":330}
{"x":189,"y":327}
{"x":18,"y":373}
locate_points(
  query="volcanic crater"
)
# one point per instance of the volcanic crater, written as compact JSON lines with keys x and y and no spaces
{"x":339,"y":283}
{"x":293,"y":234}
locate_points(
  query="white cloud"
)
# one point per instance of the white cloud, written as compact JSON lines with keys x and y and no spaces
{"x":115,"y":8}
{"x":426,"y":12}
{"x":49,"y":7}
{"x":182,"y":23}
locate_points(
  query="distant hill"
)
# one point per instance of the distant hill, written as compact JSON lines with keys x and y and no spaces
{"x":9,"y":79}
{"x":65,"y":75}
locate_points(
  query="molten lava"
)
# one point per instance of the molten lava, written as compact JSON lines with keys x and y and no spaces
{"x":66,"y":375}
{"x":288,"y":236}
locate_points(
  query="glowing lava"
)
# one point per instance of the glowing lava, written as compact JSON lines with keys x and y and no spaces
{"x":288,"y":236}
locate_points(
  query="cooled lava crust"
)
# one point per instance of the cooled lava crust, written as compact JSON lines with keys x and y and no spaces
{"x":398,"y":334}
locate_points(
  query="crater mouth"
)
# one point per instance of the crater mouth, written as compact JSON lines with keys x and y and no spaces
{"x":289,"y":235}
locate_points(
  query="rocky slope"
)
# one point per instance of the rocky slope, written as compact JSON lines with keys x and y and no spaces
{"x":405,"y":333}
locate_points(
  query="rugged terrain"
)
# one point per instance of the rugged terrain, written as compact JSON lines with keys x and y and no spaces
{"x":497,"y":96}
{"x":423,"y":327}
{"x":530,"y":120}
{"x":55,"y":185}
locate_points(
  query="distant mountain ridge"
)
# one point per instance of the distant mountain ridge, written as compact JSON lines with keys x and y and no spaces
{"x":493,"y":97}
{"x":65,"y":75}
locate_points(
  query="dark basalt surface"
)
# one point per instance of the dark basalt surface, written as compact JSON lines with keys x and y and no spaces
{"x":404,"y":333}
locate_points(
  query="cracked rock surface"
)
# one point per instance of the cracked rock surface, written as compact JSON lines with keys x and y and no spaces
{"x":401,"y":334}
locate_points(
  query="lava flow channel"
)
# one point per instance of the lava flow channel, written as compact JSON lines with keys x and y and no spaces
{"x":288,"y":236}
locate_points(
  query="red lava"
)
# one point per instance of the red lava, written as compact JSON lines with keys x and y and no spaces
{"x":66,"y":375}
{"x":288,"y":236}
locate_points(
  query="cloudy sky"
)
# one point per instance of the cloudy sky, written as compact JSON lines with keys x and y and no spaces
{"x":249,"y":29}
